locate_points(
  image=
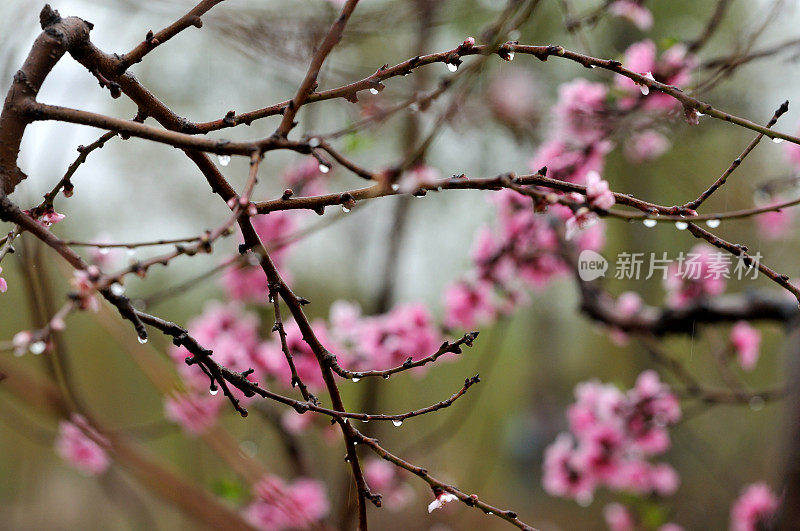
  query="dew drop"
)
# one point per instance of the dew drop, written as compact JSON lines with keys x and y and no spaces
{"x":224,"y":160}
{"x":131,"y":252}
{"x":365,"y":421}
{"x":777,"y":140}
{"x":313,"y":142}
{"x":645,"y":89}
{"x":37,"y":347}
{"x":103,"y":250}
{"x":142,"y":340}
{"x":713,"y":223}
{"x":699,"y":114}
{"x":345,"y":209}
{"x":117,"y":289}
{"x":414,"y":107}
{"x":397,"y":422}
{"x":452,"y":67}
{"x":756,"y":403}
{"x":356,"y":380}
{"x":681,"y":225}
{"x":214,"y":391}
{"x":373,"y":91}
{"x":385,"y":376}
{"x":509,"y":56}
{"x":490,"y":513}
{"x":395,"y":187}
{"x":649,"y":223}
{"x":324,"y":168}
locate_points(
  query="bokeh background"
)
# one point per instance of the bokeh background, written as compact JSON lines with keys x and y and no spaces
{"x":250,"y":54}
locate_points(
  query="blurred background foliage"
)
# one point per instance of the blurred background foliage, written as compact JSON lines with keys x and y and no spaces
{"x":250,"y":54}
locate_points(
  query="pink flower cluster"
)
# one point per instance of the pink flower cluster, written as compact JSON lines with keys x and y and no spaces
{"x":755,"y":509}
{"x":522,"y":252}
{"x":3,"y":283}
{"x":82,"y":446}
{"x":701,"y":274}
{"x":673,"y":68}
{"x":612,"y":436}
{"x":278,"y":505}
{"x":232,"y":335}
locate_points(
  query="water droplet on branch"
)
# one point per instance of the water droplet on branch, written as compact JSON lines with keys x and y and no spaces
{"x":142,"y":340}
{"x":713,"y":223}
{"x":214,"y":391}
{"x":681,"y":225}
{"x":356,"y":380}
{"x":777,"y":140}
{"x":452,"y":67}
{"x":649,"y":223}
{"x":397,"y":422}
{"x":37,"y":347}
{"x":373,"y":91}
{"x":224,"y":160}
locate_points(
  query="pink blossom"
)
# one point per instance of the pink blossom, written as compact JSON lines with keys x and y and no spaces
{"x":467,"y":304}
{"x":194,"y":413}
{"x":664,"y":479}
{"x":618,"y":517}
{"x":634,"y":12}
{"x":674,"y":68}
{"x":440,"y":500}
{"x":48,"y":217}
{"x":776,"y":224}
{"x":279,"y":505}
{"x":644,"y":146}
{"x":579,"y":112}
{"x":567,"y":163}
{"x":755,"y":509}
{"x":562,"y":475}
{"x":21,"y":341}
{"x":746,"y":341}
{"x":3,"y":283}
{"x":583,"y":218}
{"x":84,"y":283}
{"x":598,"y":192}
{"x":82,"y":446}
{"x":670,"y":526}
{"x":639,"y":57}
